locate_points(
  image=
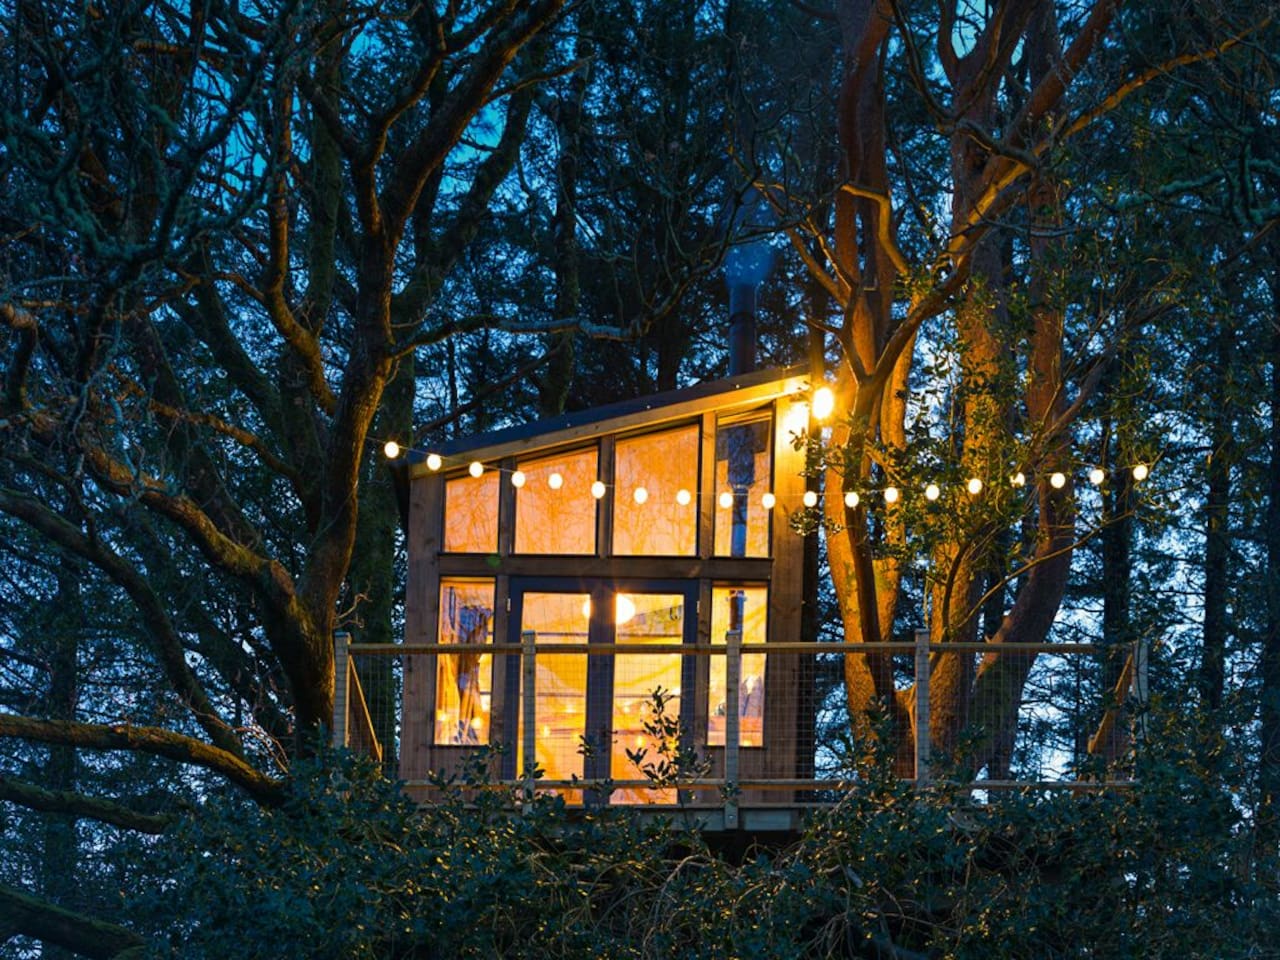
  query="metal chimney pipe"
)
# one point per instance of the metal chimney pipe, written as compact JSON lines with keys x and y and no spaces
{"x":742,"y":327}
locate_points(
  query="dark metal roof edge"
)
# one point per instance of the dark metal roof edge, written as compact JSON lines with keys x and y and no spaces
{"x":622,"y":408}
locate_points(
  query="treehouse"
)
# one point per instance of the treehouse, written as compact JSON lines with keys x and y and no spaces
{"x":582,"y":588}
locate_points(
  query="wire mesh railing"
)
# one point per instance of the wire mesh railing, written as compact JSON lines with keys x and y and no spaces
{"x":733,"y":724}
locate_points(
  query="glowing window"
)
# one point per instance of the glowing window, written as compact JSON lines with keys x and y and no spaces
{"x":744,"y":474}
{"x":557,"y":516}
{"x":655,"y":502}
{"x":464,"y":681}
{"x":738,"y":608}
{"x":471,"y":513}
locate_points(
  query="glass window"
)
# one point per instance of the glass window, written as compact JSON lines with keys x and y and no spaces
{"x":655,"y":497}
{"x":744,"y":474}
{"x":738,"y":608}
{"x":464,"y":681}
{"x":471,"y":513}
{"x":555,"y":511}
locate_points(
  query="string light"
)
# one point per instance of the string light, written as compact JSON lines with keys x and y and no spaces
{"x":1019,"y":479}
{"x":824,"y":402}
{"x":517,"y":479}
{"x":597,"y":489}
{"x":1141,"y":472}
{"x":931,"y":492}
{"x":726,"y":499}
{"x":641,"y":495}
{"x":768,"y":501}
{"x":974,"y":486}
{"x":392,"y":450}
{"x":1096,"y":476}
{"x":891,"y":494}
{"x":434,"y":462}
{"x":555,"y":481}
{"x":684,"y":497}
{"x":1058,"y":481}
{"x":851,"y":499}
{"x":476,"y":469}
{"x":810,"y":498}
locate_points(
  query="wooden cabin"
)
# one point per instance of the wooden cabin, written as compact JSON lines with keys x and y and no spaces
{"x":647,"y":531}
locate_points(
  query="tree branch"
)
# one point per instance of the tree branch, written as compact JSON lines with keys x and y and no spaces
{"x":82,"y":807}
{"x":24,"y":915}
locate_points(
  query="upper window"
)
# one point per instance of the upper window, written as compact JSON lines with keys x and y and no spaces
{"x":744,"y":468}
{"x":655,"y":497}
{"x":555,"y":510}
{"x":471,"y":513}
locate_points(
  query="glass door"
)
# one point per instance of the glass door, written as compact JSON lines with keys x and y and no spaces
{"x":595,"y":713}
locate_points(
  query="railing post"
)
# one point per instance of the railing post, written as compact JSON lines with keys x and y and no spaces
{"x":341,"y":686}
{"x":922,"y":708}
{"x":528,"y":708}
{"x":732,"y":725}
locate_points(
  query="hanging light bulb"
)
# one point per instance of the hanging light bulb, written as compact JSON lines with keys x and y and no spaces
{"x":597,"y":489}
{"x":1058,"y":481}
{"x":768,"y":501}
{"x":824,"y":401}
{"x":974,"y":486}
{"x":931,"y":492}
{"x":641,"y":495}
{"x":433,"y":461}
{"x":1141,"y":472}
{"x":1096,"y":476}
{"x":1019,"y":479}
{"x":810,"y":499}
{"x":517,"y":479}
{"x":684,"y":497}
{"x":891,"y":494}
{"x":851,"y":499}
{"x":392,"y":450}
{"x":476,"y":469}
{"x":555,"y":481}
{"x":726,"y":499}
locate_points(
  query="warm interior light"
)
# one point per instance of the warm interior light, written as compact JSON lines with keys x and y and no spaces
{"x":1096,"y":476}
{"x":555,"y":481}
{"x":1141,"y":472}
{"x":851,"y":499}
{"x":768,"y":501}
{"x":931,"y":492}
{"x":824,"y":401}
{"x":623,"y":609}
{"x":684,"y":497}
{"x":810,"y":498}
{"x":597,"y":489}
{"x":476,"y":469}
{"x":641,"y":495}
{"x":974,"y":486}
{"x":392,"y":450}
{"x":726,"y":499}
{"x":1058,"y":481}
{"x":891,"y":494}
{"x":517,"y":479}
{"x":433,"y":461}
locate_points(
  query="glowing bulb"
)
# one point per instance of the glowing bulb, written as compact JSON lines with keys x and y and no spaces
{"x":433,"y":461}
{"x":392,"y":450}
{"x":1096,"y":476}
{"x":891,"y":494}
{"x":623,"y":609}
{"x":851,"y":499}
{"x":555,"y":481}
{"x":768,"y":501}
{"x":974,"y":486}
{"x":824,"y":401}
{"x":641,"y":495}
{"x":546,"y":731}
{"x":1019,"y":479}
{"x":931,"y":492}
{"x":684,"y":497}
{"x":810,"y":498}
{"x":726,"y":499}
{"x":1141,"y":472}
{"x":517,"y":479}
{"x":476,"y":469}
{"x":597,"y":489}
{"x":1058,"y":481}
